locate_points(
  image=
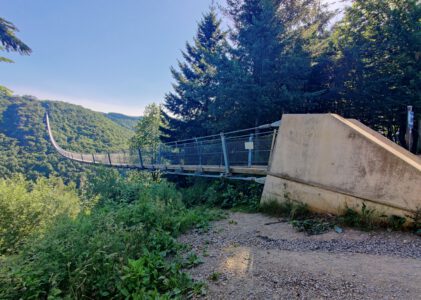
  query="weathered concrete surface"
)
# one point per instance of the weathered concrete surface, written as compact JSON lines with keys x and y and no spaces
{"x":330,"y":162}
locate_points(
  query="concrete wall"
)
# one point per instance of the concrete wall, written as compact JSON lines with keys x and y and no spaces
{"x":330,"y":162}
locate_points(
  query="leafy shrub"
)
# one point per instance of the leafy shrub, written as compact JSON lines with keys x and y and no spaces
{"x":109,"y":185}
{"x":120,"y":250}
{"x":152,"y":277}
{"x":395,"y":222}
{"x":28,"y":208}
{"x":223,"y":193}
{"x":298,"y":214}
{"x":366,"y":219}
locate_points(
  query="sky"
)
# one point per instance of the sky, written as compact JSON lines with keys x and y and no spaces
{"x":106,"y":55}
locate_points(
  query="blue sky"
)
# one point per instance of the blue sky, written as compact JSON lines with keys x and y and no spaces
{"x":107,"y":55}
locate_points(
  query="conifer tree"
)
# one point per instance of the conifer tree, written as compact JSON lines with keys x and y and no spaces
{"x":377,"y":63}
{"x":9,"y":41}
{"x":270,"y":63}
{"x":195,"y":86}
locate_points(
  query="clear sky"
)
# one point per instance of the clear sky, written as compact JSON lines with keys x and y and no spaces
{"x":107,"y":55}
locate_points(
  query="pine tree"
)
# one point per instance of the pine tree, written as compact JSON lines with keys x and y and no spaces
{"x":195,"y":86}
{"x":271,"y":62}
{"x":9,"y":41}
{"x":378,"y":69}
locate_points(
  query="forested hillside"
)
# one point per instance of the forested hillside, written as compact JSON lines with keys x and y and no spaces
{"x":24,"y":144}
{"x":126,"y":121}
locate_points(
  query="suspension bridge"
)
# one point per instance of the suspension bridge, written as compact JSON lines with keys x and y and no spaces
{"x":323,"y":160}
{"x":242,"y":154}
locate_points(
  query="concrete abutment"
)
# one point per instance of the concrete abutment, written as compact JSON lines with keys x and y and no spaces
{"x":330,"y":163}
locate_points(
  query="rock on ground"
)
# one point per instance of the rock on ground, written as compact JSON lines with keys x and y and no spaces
{"x":244,"y":257}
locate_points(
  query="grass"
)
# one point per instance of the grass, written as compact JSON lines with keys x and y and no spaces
{"x":215,"y":276}
{"x":366,"y":219}
{"x":298,"y":215}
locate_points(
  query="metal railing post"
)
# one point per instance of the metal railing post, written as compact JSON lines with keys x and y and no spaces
{"x":250,"y":154}
{"x":93,"y":158}
{"x":271,"y":147}
{"x":109,"y":157}
{"x":139,"y":152}
{"x":81,"y":156}
{"x":199,"y":152}
{"x":178,"y":154}
{"x":184,"y":155}
{"x":225,"y":152}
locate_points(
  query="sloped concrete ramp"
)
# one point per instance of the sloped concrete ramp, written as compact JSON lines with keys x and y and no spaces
{"x":330,"y":162}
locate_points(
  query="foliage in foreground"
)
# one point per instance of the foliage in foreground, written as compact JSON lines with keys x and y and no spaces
{"x":120,"y":250}
{"x":28,"y":208}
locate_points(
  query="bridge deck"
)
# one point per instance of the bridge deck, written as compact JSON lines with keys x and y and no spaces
{"x":252,"y":170}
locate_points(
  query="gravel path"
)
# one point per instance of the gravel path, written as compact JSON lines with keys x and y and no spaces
{"x":250,"y":259}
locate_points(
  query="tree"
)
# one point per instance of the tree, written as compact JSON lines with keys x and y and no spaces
{"x":195,"y":87}
{"x":9,"y":41}
{"x":377,"y":64}
{"x":148,"y":129}
{"x":271,"y":62}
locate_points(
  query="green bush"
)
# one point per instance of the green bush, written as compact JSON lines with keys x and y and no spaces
{"x":28,"y":208}
{"x":120,"y":250}
{"x":239,"y":195}
{"x":108,"y":185}
{"x":365,"y":220}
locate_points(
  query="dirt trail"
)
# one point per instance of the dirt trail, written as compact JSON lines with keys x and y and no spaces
{"x":251,"y":260}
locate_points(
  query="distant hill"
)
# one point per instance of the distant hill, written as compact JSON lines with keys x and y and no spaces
{"x":24,"y":144}
{"x":123,"y":120}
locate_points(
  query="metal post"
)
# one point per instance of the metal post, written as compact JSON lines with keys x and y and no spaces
{"x":109,"y":157}
{"x":410,"y":126}
{"x":250,"y":150}
{"x":124,"y":158}
{"x":184,"y":154}
{"x":272,"y":147}
{"x":93,"y":158}
{"x":199,"y":152}
{"x":139,"y":152}
{"x":81,"y":156}
{"x":224,"y":151}
{"x":177,"y":151}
